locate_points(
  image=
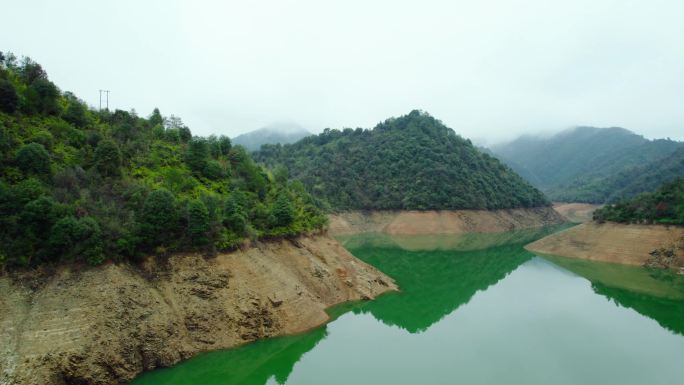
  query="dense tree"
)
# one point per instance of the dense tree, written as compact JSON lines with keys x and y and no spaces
{"x":33,"y":158}
{"x":198,"y":222}
{"x":409,"y":162}
{"x":38,"y":216}
{"x":42,"y":97}
{"x":595,"y":165}
{"x":282,"y":211}
{"x":119,"y":181}
{"x":76,"y":112}
{"x":225,"y":144}
{"x":158,"y":218}
{"x":77,"y":238}
{"x":197,"y":155}
{"x":156,"y":118}
{"x":9,"y":100}
{"x":665,"y":206}
{"x":234,"y":216}
{"x":107,"y":158}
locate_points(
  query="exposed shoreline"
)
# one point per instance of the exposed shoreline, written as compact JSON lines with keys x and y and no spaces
{"x":442,"y":221}
{"x":576,"y":212}
{"x":108,"y":324}
{"x":627,"y":244}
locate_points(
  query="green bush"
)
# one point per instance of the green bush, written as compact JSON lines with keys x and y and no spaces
{"x":107,"y":158}
{"x":33,"y":158}
{"x":119,"y":184}
{"x":158,"y":220}
{"x":9,"y":100}
{"x":198,"y":223}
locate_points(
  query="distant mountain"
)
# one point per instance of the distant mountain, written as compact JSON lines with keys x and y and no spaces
{"x":589,"y":164}
{"x":628,"y":183}
{"x":282,"y":133}
{"x":410,"y":162}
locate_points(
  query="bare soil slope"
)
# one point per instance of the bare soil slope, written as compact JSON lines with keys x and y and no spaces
{"x":576,"y":212}
{"x":609,"y":242}
{"x":441,"y":222}
{"x":105,"y":325}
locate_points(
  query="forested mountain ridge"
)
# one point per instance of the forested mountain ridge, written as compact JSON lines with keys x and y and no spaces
{"x":626,"y":184}
{"x":282,"y":133}
{"x":86,"y":185}
{"x":413,"y":162}
{"x":587,"y":164}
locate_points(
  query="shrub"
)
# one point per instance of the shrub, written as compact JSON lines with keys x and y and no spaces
{"x":33,"y":158}
{"x":198,"y":222}
{"x":157,"y":223}
{"x":107,"y":158}
{"x":9,"y":100}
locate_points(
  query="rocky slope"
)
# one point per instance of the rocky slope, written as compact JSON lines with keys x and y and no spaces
{"x":106,"y":325}
{"x":611,"y":242}
{"x":442,"y":222}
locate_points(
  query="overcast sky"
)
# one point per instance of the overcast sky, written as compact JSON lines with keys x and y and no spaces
{"x":488,"y":69}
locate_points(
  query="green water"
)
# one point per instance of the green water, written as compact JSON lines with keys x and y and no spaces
{"x":473,"y":310}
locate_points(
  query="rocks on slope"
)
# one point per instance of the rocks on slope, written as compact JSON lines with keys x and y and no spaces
{"x":107,"y":324}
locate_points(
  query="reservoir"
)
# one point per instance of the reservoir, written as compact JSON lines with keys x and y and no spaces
{"x":475,"y":309}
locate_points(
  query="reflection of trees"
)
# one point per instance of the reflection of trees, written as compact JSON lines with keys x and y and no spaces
{"x":656,"y":294}
{"x":435,"y":283}
{"x":251,"y":364}
{"x":669,"y":313}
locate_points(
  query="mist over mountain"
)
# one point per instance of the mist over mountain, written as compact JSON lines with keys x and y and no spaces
{"x":590,"y":164}
{"x":281,"y":132}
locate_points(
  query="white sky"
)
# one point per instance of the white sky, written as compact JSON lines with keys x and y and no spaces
{"x":489,"y":69}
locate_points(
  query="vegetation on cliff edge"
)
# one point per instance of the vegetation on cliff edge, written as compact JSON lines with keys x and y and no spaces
{"x":83,"y":185}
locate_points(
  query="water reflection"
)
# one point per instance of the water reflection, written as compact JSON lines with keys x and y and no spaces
{"x":534,"y":321}
{"x":252,"y":364}
{"x":656,"y":294}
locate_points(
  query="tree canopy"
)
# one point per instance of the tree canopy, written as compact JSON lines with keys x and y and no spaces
{"x":594,"y":165}
{"x":77,"y":184}
{"x":664,"y":205}
{"x":411,"y":162}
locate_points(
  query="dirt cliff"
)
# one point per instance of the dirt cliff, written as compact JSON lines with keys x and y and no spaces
{"x":441,"y":222}
{"x":610,"y":242}
{"x":105,"y":325}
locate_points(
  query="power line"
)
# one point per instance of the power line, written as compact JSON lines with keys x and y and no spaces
{"x":106,"y":101}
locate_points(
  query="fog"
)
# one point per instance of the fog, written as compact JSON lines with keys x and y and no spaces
{"x":488,"y":69}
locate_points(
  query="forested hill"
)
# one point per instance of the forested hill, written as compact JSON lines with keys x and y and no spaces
{"x":410,"y":162}
{"x":83,"y":185}
{"x":589,"y":164}
{"x":665,"y":205}
{"x":282,"y":133}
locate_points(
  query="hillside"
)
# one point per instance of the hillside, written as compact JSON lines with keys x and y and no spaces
{"x":413,"y":162}
{"x":282,"y":133}
{"x":626,"y":184}
{"x":83,"y":185}
{"x":589,"y":164}
{"x":662,"y":206}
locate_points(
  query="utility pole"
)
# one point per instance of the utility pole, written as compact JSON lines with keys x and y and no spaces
{"x":106,"y":100}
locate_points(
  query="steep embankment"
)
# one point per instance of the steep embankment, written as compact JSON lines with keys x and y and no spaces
{"x":107,"y":324}
{"x":441,"y":222}
{"x":610,"y":242}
